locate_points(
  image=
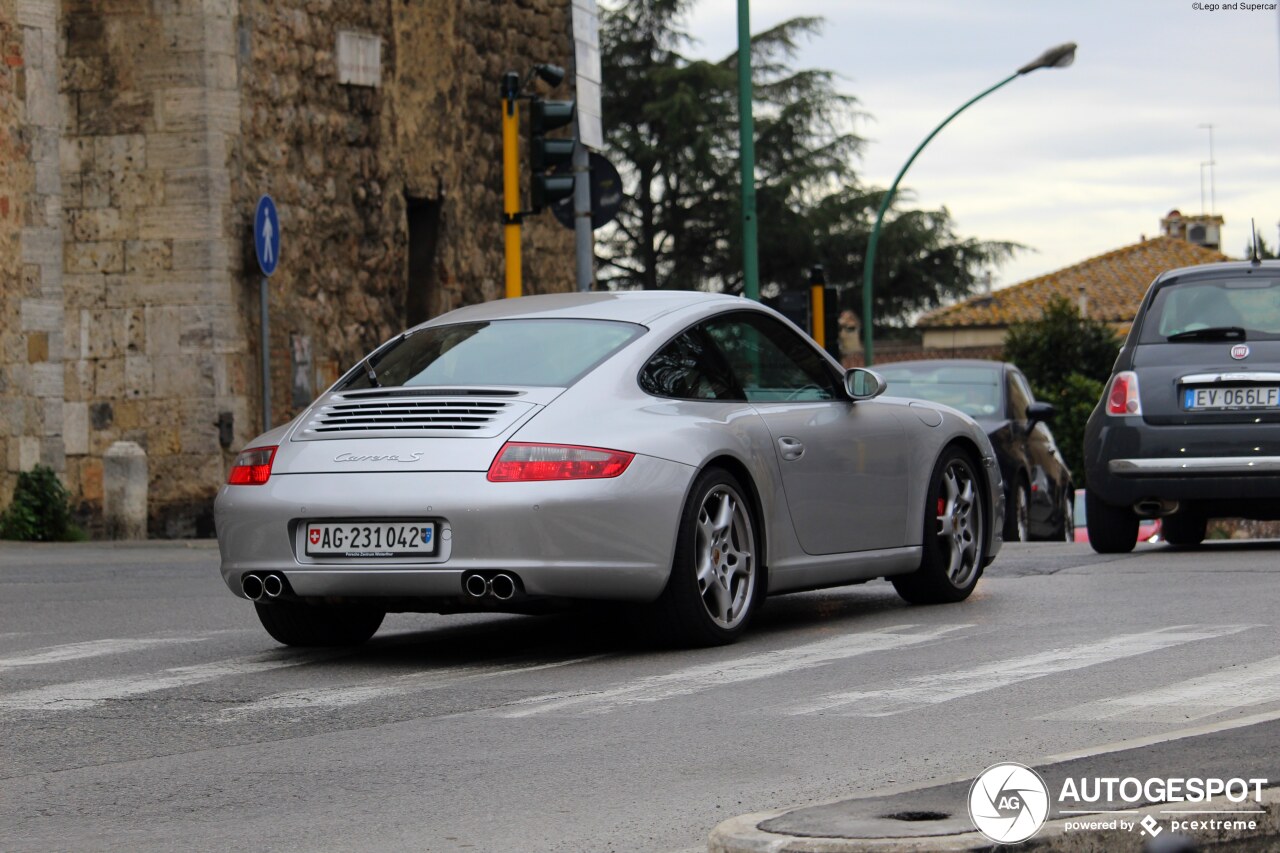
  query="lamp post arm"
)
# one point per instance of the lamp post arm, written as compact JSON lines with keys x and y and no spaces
{"x":869,"y":266}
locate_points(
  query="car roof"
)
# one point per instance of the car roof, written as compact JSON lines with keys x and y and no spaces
{"x":946,"y":362}
{"x":1270,"y":266}
{"x":643,"y":307}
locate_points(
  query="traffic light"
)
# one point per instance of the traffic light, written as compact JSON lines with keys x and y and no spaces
{"x":549,"y":158}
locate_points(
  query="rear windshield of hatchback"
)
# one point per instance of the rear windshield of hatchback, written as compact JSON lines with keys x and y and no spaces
{"x":1248,"y":303}
{"x":553,"y":353}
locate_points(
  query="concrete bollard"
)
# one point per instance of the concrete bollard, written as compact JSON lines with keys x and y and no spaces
{"x":124,"y":491}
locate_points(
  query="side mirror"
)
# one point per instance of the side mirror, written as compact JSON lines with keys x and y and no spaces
{"x":863,"y":384}
{"x":1040,"y":412}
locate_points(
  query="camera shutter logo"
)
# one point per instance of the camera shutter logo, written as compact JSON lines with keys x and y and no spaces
{"x":1008,"y":803}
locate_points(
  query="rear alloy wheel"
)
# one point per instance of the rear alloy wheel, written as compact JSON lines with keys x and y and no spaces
{"x":1112,"y":529}
{"x":297,"y":624}
{"x":954,"y":535}
{"x":1186,"y":528}
{"x":1017,"y":515}
{"x":715,"y":578}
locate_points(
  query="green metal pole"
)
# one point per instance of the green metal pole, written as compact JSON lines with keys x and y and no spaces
{"x":747,"y":145}
{"x":869,"y":266}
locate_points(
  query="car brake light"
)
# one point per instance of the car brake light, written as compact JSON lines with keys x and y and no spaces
{"x":520,"y":462}
{"x":1122,"y":398}
{"x":252,"y":467}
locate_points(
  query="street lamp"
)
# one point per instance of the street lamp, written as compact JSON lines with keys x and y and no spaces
{"x":747,"y":156}
{"x":1055,"y":57}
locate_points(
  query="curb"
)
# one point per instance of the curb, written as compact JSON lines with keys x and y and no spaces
{"x":743,"y":835}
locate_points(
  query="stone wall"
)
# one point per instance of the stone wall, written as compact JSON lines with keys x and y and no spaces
{"x":135,"y":140}
{"x":31,"y":296}
{"x":343,"y":164}
{"x":15,"y":183}
{"x":154,"y":341}
{"x":451,"y":61}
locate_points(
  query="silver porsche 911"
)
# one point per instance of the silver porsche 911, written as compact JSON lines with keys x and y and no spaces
{"x":689,"y":450}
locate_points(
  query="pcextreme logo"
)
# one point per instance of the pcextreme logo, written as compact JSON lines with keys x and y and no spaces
{"x":1008,"y":802}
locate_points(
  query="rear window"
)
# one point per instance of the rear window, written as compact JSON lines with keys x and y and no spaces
{"x":553,"y":353}
{"x":1251,"y":303}
{"x":974,"y":390}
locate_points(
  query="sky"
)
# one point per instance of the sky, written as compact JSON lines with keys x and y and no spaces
{"x":1070,"y":162}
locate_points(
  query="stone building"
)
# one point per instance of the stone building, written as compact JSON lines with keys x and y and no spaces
{"x":135,"y":139}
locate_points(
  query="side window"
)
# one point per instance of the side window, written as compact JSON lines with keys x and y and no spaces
{"x":769,"y":361}
{"x":1020,"y":396}
{"x":689,"y":368}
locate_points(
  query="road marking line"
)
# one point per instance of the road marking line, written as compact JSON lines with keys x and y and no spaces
{"x":1253,"y":683}
{"x":91,"y":649}
{"x":694,"y":679}
{"x":330,"y":698}
{"x":78,"y":695}
{"x":943,"y":687}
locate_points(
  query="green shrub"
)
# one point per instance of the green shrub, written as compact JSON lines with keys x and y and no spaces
{"x":41,"y":509}
{"x":1075,"y":400}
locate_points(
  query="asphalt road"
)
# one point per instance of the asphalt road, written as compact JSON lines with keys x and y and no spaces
{"x":144,"y":709}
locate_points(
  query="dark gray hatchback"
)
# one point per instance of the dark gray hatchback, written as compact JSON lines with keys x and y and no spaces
{"x":1188,"y":428}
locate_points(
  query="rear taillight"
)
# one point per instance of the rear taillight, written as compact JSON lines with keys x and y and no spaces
{"x":1122,"y":397}
{"x":519,"y":462}
{"x":252,"y":467}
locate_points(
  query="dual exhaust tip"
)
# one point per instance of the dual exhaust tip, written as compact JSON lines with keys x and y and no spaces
{"x":501,"y":586}
{"x":257,"y":587}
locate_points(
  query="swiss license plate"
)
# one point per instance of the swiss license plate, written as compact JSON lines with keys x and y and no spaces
{"x":1250,"y":397}
{"x":371,"y":538}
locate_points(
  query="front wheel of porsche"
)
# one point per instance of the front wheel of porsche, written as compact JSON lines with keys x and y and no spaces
{"x":716,"y":574}
{"x":955,"y":529}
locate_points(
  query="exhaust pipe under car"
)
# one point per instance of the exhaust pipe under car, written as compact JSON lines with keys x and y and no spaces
{"x":272,"y":586}
{"x":251,"y":586}
{"x":502,"y":587}
{"x":1155,"y":508}
{"x":476,"y":586}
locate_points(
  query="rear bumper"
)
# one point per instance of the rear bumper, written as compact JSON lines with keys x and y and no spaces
{"x":1226,"y":466}
{"x":597,"y":539}
{"x":1129,"y":460}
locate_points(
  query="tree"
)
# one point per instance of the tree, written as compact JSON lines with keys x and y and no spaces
{"x":672,"y":130}
{"x":1067,"y":358}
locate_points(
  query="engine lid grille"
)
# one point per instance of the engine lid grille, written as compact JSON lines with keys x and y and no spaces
{"x":460,"y":414}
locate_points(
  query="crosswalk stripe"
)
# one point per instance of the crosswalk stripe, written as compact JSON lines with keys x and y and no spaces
{"x":330,"y":698}
{"x":91,"y":649}
{"x":946,"y":686}
{"x":1249,"y":684}
{"x":695,"y":679}
{"x":78,"y":695}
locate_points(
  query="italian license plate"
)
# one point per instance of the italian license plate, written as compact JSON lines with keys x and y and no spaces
{"x":1251,"y":397}
{"x":371,"y":538}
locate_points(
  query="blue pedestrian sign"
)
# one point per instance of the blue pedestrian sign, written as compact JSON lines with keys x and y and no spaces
{"x":266,"y":235}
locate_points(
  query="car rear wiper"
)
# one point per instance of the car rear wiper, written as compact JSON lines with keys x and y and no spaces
{"x":1213,"y":333}
{"x":371,"y":373}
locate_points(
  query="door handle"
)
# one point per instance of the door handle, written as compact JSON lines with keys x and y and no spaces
{"x":790,"y":448}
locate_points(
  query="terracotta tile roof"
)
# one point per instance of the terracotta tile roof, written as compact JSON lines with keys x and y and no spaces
{"x":1113,"y":283}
